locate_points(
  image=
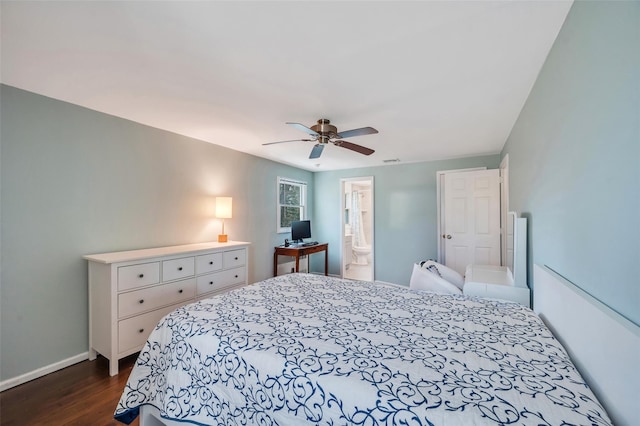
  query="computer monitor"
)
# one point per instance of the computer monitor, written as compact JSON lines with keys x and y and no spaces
{"x":300,"y":229}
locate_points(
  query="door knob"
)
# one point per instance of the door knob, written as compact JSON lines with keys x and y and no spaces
{"x":448,"y":237}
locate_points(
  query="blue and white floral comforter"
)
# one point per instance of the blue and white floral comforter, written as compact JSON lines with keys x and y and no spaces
{"x":307,"y":349}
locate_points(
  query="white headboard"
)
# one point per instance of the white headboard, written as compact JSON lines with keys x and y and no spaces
{"x":604,"y":346}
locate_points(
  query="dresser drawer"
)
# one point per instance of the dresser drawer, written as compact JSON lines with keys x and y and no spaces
{"x":235,"y":276}
{"x":219,"y":280}
{"x":138,"y":275}
{"x":178,"y":268}
{"x":234,"y":258}
{"x":208,"y":263}
{"x":145,"y":299}
{"x":133,"y":332}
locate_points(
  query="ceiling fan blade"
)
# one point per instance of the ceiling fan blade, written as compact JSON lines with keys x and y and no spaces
{"x":316,"y":151}
{"x":303,"y":128}
{"x":357,"y":132}
{"x":294,"y":140}
{"x":354,"y":147}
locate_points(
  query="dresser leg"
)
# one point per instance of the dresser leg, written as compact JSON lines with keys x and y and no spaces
{"x":113,"y":367}
{"x":92,"y":354}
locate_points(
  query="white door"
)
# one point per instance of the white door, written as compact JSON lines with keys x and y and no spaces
{"x":471,"y":225}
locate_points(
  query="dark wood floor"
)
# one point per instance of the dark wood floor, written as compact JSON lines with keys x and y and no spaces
{"x":82,"y":394}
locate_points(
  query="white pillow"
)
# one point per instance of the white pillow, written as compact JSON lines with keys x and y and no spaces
{"x":445,"y":272}
{"x":423,"y":279}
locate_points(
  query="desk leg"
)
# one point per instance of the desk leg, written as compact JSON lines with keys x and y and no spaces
{"x":275,"y":263}
{"x":297,"y":262}
{"x":326,"y":262}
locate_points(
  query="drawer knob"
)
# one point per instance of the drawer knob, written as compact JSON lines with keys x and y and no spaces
{"x":141,"y":301}
{"x":211,"y":263}
{"x":236,"y":275}
{"x":141,"y":330}
{"x":180,"y":268}
{"x":236,"y":257}
{"x":180,"y":291}
{"x":141,"y":276}
{"x":210,"y":282}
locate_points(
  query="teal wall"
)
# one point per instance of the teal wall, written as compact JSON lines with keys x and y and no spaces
{"x":405,"y":222}
{"x":574,"y":155}
{"x":76,"y":181}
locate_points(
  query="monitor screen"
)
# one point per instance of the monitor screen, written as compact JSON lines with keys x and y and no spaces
{"x":300,"y":229}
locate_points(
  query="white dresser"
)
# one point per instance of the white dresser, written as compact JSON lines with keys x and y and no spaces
{"x":130,"y":291}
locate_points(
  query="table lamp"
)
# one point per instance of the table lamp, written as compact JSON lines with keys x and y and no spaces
{"x":223,"y":211}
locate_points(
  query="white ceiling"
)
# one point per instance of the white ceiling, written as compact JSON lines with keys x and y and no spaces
{"x":438,"y":79}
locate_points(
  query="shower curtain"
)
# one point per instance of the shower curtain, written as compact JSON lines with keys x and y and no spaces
{"x":357,"y":228}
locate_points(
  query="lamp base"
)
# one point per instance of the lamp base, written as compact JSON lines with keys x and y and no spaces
{"x":222,"y":238}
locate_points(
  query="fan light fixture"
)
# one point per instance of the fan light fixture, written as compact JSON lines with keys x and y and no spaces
{"x":323,"y":132}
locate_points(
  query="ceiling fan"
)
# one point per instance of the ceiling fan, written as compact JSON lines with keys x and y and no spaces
{"x":324,"y":132}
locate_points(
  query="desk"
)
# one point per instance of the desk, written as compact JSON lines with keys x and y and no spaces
{"x":301,"y":251}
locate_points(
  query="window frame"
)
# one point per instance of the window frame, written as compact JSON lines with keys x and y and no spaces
{"x":302,"y":206}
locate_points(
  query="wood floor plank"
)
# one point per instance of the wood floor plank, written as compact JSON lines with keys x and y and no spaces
{"x":82,"y":394}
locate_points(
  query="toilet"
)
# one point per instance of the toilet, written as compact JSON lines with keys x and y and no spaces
{"x":361,"y":255}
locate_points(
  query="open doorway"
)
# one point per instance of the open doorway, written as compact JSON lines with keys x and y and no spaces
{"x":357,"y":228}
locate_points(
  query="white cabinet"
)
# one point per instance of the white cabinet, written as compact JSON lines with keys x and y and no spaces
{"x":130,"y":291}
{"x":495,"y":282}
{"x":504,"y":282}
{"x":347,"y":251}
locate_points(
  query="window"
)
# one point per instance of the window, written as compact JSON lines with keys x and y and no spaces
{"x":292,"y":202}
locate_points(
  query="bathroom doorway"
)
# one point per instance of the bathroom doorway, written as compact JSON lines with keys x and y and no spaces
{"x":357,"y":228}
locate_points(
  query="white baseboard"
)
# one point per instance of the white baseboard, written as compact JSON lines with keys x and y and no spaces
{"x":43,"y":371}
{"x":390,"y":284}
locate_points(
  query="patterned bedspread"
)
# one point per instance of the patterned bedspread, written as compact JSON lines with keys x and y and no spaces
{"x":309,"y":349}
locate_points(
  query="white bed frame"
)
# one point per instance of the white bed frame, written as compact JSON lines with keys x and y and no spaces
{"x":603,"y":345}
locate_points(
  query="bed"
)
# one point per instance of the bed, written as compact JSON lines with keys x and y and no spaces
{"x":309,"y":349}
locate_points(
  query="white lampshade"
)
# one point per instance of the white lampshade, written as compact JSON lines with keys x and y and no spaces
{"x":223,"y":211}
{"x":223,"y":207}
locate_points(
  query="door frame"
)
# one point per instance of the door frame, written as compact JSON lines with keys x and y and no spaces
{"x":504,"y":206}
{"x":439,"y":203}
{"x":343,"y":181}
